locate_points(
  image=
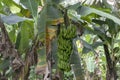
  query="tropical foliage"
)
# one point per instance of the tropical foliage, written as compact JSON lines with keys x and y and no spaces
{"x":59,"y":39}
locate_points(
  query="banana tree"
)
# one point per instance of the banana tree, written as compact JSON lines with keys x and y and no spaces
{"x":23,"y":33}
{"x":19,"y":38}
{"x":98,"y":23}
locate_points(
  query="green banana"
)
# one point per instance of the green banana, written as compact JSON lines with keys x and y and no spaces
{"x":65,"y":46}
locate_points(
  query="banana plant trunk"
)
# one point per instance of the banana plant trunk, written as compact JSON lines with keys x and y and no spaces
{"x":111,"y":72}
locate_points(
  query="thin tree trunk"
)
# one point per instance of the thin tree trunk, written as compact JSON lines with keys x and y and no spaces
{"x":21,"y":70}
{"x":111,"y":72}
{"x":31,"y":59}
{"x":9,"y":52}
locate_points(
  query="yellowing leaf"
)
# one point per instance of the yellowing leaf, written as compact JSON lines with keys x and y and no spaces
{"x":14,"y":9}
{"x":55,"y":21}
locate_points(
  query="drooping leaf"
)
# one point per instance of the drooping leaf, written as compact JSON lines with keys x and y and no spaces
{"x":31,"y":5}
{"x":87,"y":46}
{"x":94,"y":46}
{"x":75,"y":61}
{"x":24,"y":36}
{"x":12,"y":19}
{"x":42,"y":21}
{"x":84,"y":11}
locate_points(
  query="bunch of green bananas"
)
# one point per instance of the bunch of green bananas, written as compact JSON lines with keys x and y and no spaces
{"x":65,"y":46}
